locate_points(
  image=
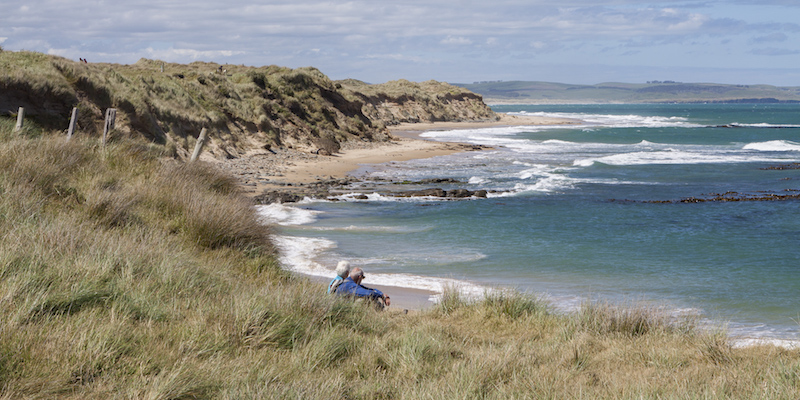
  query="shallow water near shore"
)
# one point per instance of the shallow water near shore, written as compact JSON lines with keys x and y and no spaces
{"x":590,"y":211}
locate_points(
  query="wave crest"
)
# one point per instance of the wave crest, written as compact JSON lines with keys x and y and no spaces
{"x":773,"y":145}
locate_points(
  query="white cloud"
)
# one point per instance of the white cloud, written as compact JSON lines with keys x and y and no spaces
{"x":392,"y":57}
{"x":58,"y":52}
{"x":538,"y":45}
{"x":689,"y":23}
{"x":171,"y":54}
{"x":775,"y":37}
{"x":459,"y":41}
{"x":398,"y":36}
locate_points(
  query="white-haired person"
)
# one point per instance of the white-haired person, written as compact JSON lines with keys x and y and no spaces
{"x":342,"y":272}
{"x":352,"y":287}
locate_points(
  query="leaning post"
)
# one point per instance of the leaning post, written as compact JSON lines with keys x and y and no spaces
{"x":111,"y":117}
{"x":201,"y":140}
{"x":20,"y":119}
{"x":72,"y":122}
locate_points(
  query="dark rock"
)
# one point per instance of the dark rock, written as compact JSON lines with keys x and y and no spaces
{"x":269,"y":197}
{"x":733,"y":197}
{"x":429,"y":181}
{"x":460,"y":193}
{"x":783,"y":167}
{"x":436,"y":192}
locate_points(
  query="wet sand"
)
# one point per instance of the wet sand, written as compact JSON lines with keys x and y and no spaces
{"x":401,"y":298}
{"x":408,"y":145}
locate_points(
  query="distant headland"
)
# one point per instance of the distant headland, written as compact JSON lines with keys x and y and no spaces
{"x":534,"y":92}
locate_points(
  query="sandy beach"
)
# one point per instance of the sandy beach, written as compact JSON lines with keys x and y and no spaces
{"x":340,"y":165}
{"x":272,"y":170}
{"x":504,"y":120}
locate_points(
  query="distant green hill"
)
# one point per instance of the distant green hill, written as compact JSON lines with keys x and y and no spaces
{"x":614,"y":92}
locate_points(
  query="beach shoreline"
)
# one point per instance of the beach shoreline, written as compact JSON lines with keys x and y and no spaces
{"x":404,"y":297}
{"x":503,"y":120}
{"x":280,"y":170}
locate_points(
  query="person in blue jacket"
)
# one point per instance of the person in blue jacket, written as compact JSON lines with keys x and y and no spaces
{"x":342,"y":271}
{"x":352,"y":286}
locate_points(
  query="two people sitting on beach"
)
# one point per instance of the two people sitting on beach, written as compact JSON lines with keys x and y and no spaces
{"x":348,"y":283}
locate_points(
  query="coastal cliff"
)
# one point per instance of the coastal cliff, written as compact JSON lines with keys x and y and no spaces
{"x":402,"y":101}
{"x":244,"y":108}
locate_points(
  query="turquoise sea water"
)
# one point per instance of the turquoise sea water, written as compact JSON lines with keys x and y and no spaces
{"x":570,"y":216}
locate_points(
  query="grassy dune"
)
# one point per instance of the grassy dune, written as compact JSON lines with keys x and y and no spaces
{"x":126,"y":274}
{"x":244,"y":108}
{"x":168,"y":103}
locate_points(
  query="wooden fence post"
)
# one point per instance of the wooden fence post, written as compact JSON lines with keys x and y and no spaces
{"x":201,"y":140}
{"x":72,"y":122}
{"x":20,"y":119}
{"x":111,"y":117}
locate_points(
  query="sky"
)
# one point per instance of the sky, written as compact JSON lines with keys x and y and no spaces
{"x":567,"y":41}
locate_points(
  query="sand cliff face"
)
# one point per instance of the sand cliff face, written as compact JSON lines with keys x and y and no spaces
{"x":245,"y":109}
{"x":402,"y":101}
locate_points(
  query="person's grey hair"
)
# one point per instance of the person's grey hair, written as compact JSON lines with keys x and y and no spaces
{"x":343,"y":268}
{"x":356,"y":273}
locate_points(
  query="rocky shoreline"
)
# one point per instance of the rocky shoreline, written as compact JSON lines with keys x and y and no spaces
{"x":268,"y":171}
{"x":331,"y":189}
{"x":263,"y":176}
{"x":285,"y":174}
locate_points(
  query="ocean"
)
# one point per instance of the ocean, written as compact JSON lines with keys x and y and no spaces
{"x":591,"y":211}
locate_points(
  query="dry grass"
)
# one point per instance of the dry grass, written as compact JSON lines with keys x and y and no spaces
{"x":404,"y":101}
{"x":125,"y":275}
{"x":244,"y":108}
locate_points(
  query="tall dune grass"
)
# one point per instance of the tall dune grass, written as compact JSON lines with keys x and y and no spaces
{"x":124,"y":274}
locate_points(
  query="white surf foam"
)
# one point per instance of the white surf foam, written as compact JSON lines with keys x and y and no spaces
{"x":773,"y":145}
{"x":763,"y":125}
{"x":377,"y":197}
{"x":297,"y":254}
{"x":495,"y":136}
{"x":301,"y":254}
{"x":285,"y":215}
{"x":477,"y":180}
{"x":674,"y":157}
{"x":565,"y":148}
{"x":617,"y":121}
{"x":364,"y":228}
{"x":434,"y":284}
